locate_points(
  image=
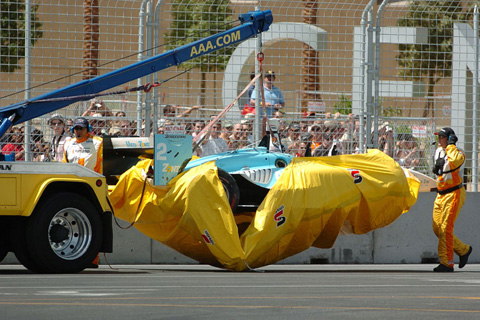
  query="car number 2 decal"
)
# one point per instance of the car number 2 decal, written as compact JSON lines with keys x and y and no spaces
{"x":357,"y":178}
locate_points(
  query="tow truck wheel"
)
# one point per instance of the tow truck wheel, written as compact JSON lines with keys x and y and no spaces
{"x":3,"y":241}
{"x":64,"y":233}
{"x":231,"y":189}
{"x":18,"y":233}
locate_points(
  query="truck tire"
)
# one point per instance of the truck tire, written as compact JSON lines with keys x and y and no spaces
{"x":18,"y":242}
{"x":64,"y":233}
{"x":231,"y":189}
{"x":4,"y":247}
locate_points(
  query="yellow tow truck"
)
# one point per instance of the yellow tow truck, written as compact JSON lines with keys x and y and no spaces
{"x":55,"y":217}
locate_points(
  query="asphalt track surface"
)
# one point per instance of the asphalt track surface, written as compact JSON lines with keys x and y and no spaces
{"x":141,"y":292}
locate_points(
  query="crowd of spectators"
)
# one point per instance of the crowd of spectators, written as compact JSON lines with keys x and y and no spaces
{"x":309,"y":135}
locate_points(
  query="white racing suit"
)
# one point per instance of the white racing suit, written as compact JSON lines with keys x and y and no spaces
{"x":87,"y":152}
{"x":448,"y":203}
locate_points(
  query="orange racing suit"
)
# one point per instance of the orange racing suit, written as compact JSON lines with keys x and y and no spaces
{"x":448,"y":203}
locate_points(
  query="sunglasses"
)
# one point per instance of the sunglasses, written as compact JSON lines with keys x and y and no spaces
{"x":56,"y":124}
{"x":77,"y":128}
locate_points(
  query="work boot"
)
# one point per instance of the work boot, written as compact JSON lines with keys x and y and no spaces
{"x":464,"y":258}
{"x":94,"y":264}
{"x":443,"y":268}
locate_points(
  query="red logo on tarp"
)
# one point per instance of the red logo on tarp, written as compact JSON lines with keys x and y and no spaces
{"x":357,"y":178}
{"x":279,"y":217}
{"x":208,"y":239}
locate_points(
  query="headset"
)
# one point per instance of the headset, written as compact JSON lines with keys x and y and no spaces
{"x":89,"y":128}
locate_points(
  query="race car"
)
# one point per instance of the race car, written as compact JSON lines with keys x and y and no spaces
{"x":246,"y":174}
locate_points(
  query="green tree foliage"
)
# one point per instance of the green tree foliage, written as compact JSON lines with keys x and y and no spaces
{"x":13,"y":33}
{"x":344,"y":105}
{"x":196,"y":19}
{"x":432,"y":61}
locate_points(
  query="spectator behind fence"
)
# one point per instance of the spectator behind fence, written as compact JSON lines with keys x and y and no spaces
{"x":46,"y":155}
{"x":127,"y":128}
{"x":407,"y":152}
{"x":237,"y":139}
{"x":226,"y":130}
{"x":115,"y":130}
{"x":15,"y":144}
{"x":304,"y":126}
{"x":282,"y":130}
{"x":37,"y":143}
{"x":316,"y":147}
{"x":247,"y":131}
{"x":7,"y":137}
{"x":333,"y":132}
{"x":68,"y":127}
{"x":385,"y":139}
{"x":97,"y":106}
{"x":349,"y":138}
{"x":173,"y":111}
{"x":99,"y":125}
{"x":278,"y":114}
{"x":60,"y":136}
{"x":293,"y":135}
{"x":273,"y":96}
{"x":213,"y":143}
{"x":299,"y":148}
{"x":197,"y":127}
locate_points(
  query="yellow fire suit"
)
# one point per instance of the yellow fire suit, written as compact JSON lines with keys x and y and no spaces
{"x":448,"y":203}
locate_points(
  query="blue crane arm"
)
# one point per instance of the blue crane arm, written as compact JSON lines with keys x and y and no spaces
{"x":252,"y":23}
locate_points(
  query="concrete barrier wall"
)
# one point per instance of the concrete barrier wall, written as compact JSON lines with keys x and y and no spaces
{"x":409,"y":239}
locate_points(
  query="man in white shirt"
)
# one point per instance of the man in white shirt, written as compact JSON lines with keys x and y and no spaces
{"x":213,"y":143}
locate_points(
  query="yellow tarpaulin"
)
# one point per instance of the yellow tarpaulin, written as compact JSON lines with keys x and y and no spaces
{"x":313,"y":201}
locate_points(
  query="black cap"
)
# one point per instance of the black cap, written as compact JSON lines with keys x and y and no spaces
{"x":80,"y":122}
{"x":445,"y":132}
{"x":270,"y":73}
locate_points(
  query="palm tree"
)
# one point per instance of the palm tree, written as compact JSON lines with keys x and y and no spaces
{"x":90,"y":38}
{"x":310,"y":72}
{"x":196,"y":19}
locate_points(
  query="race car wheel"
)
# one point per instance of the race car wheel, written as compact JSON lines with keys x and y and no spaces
{"x":231,"y":189}
{"x":64,"y":233}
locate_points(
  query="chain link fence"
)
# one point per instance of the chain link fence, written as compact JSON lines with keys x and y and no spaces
{"x":373,"y":74}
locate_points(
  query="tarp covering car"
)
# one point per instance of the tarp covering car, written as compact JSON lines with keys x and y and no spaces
{"x":313,"y":201}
